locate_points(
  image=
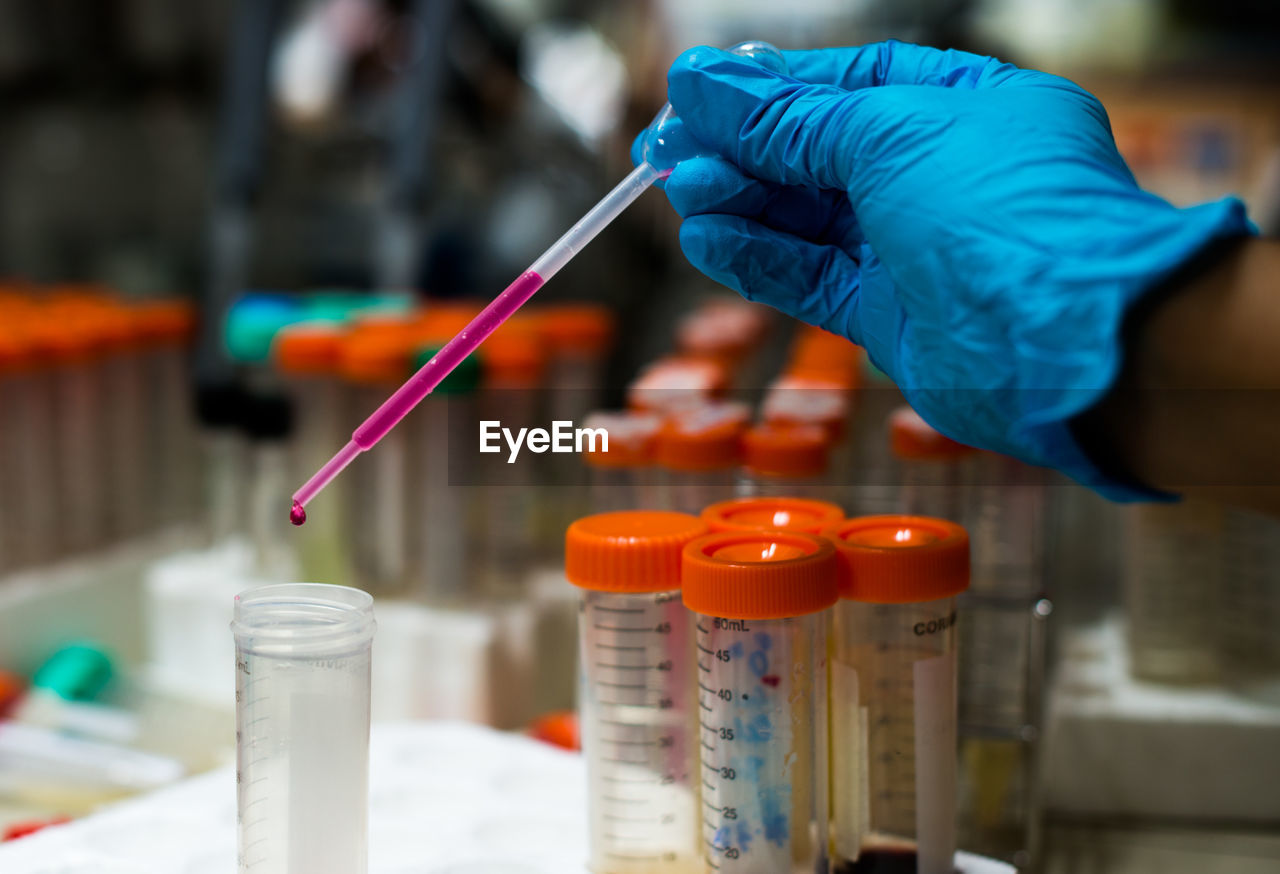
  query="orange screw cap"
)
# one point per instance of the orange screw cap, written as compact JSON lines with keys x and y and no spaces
{"x":759,"y":574}
{"x":901,"y":559}
{"x":633,"y":551}
{"x":309,"y":348}
{"x":776,"y":450}
{"x":913,"y":439}
{"x":772,"y":514}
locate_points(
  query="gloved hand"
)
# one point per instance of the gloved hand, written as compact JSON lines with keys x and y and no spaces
{"x":968,"y":222}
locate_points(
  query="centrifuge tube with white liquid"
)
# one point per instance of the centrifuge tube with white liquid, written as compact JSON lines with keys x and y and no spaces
{"x":936,"y":472}
{"x":762,"y":602}
{"x":893,"y":694}
{"x":636,"y":694}
{"x":302,"y":728}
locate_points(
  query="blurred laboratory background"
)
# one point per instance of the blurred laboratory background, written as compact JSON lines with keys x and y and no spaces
{"x":228,"y":230}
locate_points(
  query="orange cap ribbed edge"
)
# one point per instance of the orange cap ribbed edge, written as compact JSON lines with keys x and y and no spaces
{"x":582,"y":328}
{"x":911,"y":438}
{"x":816,"y":350}
{"x":901,"y":559}
{"x":17,"y":351}
{"x":65,"y":341}
{"x":441,"y":320}
{"x":847,"y":378}
{"x":632,"y":436}
{"x":309,"y":348}
{"x":515,"y":355}
{"x":375,"y":356}
{"x":759,"y":574}
{"x":672,"y":384}
{"x":165,"y":321}
{"x":772,"y":514}
{"x":691,"y":449}
{"x":775,"y":449}
{"x":630,"y":551}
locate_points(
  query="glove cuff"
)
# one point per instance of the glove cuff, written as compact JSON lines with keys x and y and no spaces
{"x":1145,"y":262}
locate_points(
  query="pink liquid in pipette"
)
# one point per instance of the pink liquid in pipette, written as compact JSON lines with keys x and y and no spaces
{"x":422,"y":383}
{"x":418,"y":386}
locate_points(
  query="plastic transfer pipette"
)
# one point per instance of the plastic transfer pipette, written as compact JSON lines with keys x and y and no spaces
{"x":469,"y":338}
{"x":512,"y":298}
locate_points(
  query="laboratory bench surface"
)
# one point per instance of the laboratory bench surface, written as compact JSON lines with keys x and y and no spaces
{"x":445,"y":798}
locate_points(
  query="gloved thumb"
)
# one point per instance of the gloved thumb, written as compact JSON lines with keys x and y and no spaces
{"x":774,"y":127}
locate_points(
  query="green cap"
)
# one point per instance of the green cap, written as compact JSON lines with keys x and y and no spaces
{"x":464,"y":379}
{"x":77,"y":672}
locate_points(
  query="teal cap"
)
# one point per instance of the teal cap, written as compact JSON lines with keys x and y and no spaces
{"x":332,"y":306}
{"x":389,"y":303}
{"x":77,"y":672}
{"x":341,"y":306}
{"x":465,"y":378}
{"x":253,"y":322}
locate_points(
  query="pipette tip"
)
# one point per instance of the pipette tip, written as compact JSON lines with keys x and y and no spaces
{"x":298,"y":514}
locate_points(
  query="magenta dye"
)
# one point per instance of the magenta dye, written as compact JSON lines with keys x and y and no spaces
{"x":418,"y":386}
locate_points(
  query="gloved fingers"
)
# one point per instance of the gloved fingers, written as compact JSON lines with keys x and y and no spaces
{"x":713,"y":185}
{"x":880,"y":317}
{"x":814,"y":283}
{"x":774,"y":127}
{"x":897,"y":63}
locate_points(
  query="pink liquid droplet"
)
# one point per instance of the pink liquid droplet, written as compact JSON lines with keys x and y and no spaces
{"x":297,"y":515}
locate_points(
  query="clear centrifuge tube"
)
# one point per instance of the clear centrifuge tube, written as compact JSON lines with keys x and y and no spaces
{"x":893,"y":694}
{"x":730,"y":331}
{"x":698,"y":451}
{"x":620,"y":477}
{"x":762,"y":601}
{"x":935,"y":470}
{"x":306,"y":357}
{"x":790,"y":460}
{"x":124,"y":434}
{"x":302,"y":728}
{"x":79,"y":411}
{"x":372,"y":361}
{"x":637,"y":699}
{"x":513,"y":391}
{"x":443,"y":508}
{"x":27,"y":431}
{"x":773,"y":514}
{"x":173,"y":491}
{"x":579,"y":337}
{"x":1001,"y":649}
{"x":268,"y":423}
{"x":1173,"y":572}
{"x":1249,"y":611}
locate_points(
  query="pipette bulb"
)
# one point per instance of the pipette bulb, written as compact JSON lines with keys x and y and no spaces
{"x":298,"y":514}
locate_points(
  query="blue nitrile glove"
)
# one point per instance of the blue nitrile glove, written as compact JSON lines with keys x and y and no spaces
{"x":970,"y":223}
